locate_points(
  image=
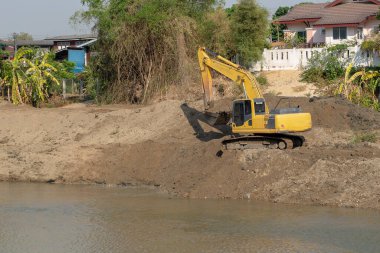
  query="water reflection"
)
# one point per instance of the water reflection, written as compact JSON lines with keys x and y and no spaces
{"x":56,"y":218}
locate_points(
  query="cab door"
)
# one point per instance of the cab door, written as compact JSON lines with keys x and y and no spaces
{"x":242,"y":115}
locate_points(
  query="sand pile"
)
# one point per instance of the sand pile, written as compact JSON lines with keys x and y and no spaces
{"x":170,"y":146}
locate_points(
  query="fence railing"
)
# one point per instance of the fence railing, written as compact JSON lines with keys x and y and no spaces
{"x":297,"y":58}
{"x":72,"y":88}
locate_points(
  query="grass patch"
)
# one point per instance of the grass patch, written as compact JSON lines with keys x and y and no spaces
{"x":263,"y":81}
{"x":365,"y":137}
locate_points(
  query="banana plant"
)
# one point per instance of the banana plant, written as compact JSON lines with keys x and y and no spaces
{"x":360,"y":87}
{"x":29,"y":75}
{"x":40,"y":74}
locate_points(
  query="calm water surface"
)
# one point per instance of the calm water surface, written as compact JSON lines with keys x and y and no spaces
{"x":43,"y":218}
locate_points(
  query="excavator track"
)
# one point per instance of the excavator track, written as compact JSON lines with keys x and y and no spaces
{"x":259,"y":141}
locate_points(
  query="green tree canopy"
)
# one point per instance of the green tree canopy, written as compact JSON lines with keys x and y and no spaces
{"x":22,"y":36}
{"x":249,"y":24}
{"x":146,"y":45}
{"x":277,"y":30}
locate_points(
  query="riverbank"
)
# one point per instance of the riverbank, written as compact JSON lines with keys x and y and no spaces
{"x":167,"y":146}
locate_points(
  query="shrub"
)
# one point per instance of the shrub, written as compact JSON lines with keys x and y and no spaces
{"x":325,"y":66}
{"x":144,"y":46}
{"x":262,"y":80}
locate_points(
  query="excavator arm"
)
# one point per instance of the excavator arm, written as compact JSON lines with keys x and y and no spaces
{"x":227,"y":69}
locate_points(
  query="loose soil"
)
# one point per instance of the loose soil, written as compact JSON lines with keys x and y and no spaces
{"x":170,"y":146}
{"x":288,"y":83}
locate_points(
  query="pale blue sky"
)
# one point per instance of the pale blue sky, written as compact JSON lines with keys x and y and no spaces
{"x":43,"y":18}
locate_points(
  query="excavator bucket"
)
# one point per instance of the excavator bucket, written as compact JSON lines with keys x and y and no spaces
{"x":216,"y":119}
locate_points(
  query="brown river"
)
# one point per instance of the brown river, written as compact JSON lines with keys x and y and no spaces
{"x":43,"y":218}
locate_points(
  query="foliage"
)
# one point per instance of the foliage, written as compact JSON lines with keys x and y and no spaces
{"x":337,"y":49}
{"x":249,"y":24}
{"x":371,"y":44}
{"x":277,"y":30}
{"x":295,"y":41}
{"x":30,"y":74}
{"x":262,"y":80}
{"x":361,"y":87}
{"x":146,"y":45}
{"x":365,"y":137}
{"x":216,"y":31}
{"x":324,"y":66}
{"x":21,"y":36}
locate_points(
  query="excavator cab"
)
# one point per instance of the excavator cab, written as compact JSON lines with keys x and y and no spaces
{"x":249,"y":114}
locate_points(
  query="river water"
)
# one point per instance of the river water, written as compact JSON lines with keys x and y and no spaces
{"x":43,"y":218}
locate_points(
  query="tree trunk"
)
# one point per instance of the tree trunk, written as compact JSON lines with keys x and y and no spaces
{"x":184,"y":67}
{"x":8,"y":94}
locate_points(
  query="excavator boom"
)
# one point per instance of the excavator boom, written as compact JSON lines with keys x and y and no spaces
{"x":227,"y":69}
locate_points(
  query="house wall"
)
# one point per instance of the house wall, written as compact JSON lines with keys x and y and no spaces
{"x":351,"y":35}
{"x":298,"y":27}
{"x":297,"y":58}
{"x":369,"y":26}
{"x":319,"y":37}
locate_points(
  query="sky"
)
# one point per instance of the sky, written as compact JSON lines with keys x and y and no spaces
{"x":44,"y":18}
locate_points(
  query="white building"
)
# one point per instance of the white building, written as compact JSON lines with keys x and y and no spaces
{"x":326,"y":24}
{"x":334,"y":22}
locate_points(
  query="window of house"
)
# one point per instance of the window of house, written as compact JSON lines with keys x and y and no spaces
{"x":79,"y":42}
{"x":301,"y":36}
{"x":340,"y":33}
{"x":63,"y":44}
{"x":323,"y":32}
{"x":359,"y":33}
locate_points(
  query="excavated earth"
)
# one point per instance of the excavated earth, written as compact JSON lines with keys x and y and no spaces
{"x":171,"y":147}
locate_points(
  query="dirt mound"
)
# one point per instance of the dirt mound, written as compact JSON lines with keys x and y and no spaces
{"x":335,"y":113}
{"x":171,"y":146}
{"x":331,"y":112}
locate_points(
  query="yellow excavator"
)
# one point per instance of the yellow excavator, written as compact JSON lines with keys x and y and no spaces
{"x":253,"y":124}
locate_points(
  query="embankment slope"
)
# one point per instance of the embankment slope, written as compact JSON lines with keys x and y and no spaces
{"x":170,"y":146}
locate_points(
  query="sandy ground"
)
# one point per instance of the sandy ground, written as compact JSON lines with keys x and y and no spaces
{"x":287,"y":83}
{"x":169,"y":146}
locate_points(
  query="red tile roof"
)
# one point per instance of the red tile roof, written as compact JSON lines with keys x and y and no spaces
{"x":304,"y":11}
{"x":348,"y":13}
{"x":336,"y":2}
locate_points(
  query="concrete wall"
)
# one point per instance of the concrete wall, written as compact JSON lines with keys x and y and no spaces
{"x":297,"y":58}
{"x":299,"y":27}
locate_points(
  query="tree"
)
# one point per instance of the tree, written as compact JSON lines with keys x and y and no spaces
{"x":22,"y":36}
{"x":144,"y":45}
{"x":277,"y":30}
{"x":147,"y":45}
{"x":249,"y":23}
{"x":216,"y":32}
